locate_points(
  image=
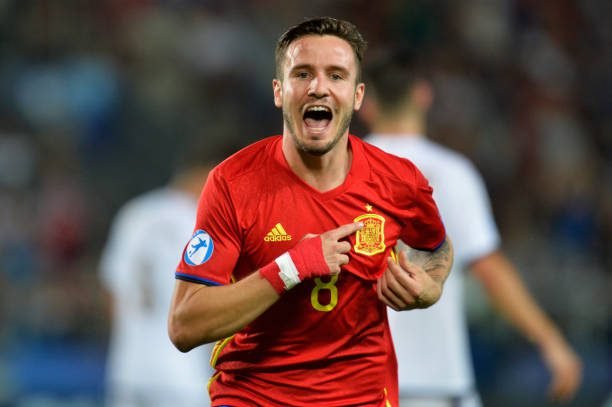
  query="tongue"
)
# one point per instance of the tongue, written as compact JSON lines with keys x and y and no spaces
{"x":319,"y":124}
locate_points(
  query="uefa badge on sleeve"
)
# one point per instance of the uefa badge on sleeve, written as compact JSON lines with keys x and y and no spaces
{"x":199,"y":249}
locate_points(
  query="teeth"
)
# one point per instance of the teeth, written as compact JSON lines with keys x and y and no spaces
{"x":318,"y":109}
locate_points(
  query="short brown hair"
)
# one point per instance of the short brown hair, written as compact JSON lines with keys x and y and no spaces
{"x":322,"y":26}
{"x":394,"y":69}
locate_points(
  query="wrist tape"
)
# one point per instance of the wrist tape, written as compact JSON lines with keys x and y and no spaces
{"x":305,"y":260}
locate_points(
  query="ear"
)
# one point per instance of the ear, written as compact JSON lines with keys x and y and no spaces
{"x":359,"y":94}
{"x":369,"y":110}
{"x":277,"y":88}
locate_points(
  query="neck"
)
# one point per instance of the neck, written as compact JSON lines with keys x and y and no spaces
{"x":400,"y":125}
{"x":324,"y":172}
{"x":191,"y":181}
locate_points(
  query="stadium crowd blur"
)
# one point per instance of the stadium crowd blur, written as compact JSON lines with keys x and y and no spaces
{"x":99,"y":97}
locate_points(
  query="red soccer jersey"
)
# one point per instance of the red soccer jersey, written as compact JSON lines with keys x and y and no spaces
{"x":326,"y":341}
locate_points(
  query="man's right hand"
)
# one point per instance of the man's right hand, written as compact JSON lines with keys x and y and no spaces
{"x":313,"y":256}
{"x":334,"y":247}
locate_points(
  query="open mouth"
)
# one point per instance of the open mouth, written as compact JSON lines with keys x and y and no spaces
{"x":317,"y":117}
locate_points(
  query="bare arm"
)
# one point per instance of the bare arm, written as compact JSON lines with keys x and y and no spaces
{"x":200,"y":314}
{"x":417,"y":278}
{"x":510,"y":296}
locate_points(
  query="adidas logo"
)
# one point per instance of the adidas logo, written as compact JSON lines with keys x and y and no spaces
{"x":277,"y":234}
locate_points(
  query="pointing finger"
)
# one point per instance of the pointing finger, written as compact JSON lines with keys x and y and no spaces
{"x":344,"y":230}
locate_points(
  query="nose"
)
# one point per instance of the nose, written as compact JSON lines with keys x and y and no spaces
{"x":318,"y":87}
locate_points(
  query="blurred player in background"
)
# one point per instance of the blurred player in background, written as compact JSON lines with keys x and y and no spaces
{"x":144,"y":369}
{"x":432,"y":345}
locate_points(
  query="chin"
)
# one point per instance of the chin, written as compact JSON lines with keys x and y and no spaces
{"x":319,"y":147}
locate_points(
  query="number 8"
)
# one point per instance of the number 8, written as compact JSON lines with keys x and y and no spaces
{"x":333,"y":291}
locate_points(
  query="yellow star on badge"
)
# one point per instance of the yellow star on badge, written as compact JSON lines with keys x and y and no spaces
{"x":368,"y":207}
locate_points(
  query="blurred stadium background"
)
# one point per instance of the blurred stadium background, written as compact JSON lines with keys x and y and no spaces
{"x":98,"y":99}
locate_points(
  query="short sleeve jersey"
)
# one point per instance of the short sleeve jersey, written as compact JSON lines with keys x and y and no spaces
{"x":324,"y":342}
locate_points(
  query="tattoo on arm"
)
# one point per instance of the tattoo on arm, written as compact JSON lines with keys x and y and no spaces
{"x":437,"y":263}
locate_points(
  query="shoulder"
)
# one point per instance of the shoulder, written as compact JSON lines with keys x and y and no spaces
{"x":158,"y":206}
{"x":434,"y":159}
{"x":141,"y":206}
{"x":444,"y":165}
{"x":449,"y":157}
{"x":383,"y":163}
{"x":248,"y":160}
{"x":233,"y":182}
{"x":458,"y":167}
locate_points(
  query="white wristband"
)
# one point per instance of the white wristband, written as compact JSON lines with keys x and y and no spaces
{"x":288,"y":272}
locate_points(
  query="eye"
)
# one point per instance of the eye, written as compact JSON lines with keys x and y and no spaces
{"x":336,"y":77}
{"x":301,"y":74}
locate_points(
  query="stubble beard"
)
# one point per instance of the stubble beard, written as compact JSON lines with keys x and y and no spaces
{"x":345,"y":122}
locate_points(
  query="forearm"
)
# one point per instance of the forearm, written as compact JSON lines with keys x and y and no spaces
{"x":201,"y":314}
{"x":508,"y":293}
{"x":437,"y":264}
{"x":511,"y":297}
{"x":414,"y":279}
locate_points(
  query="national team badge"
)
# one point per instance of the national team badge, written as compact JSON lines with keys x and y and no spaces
{"x":199,"y":249}
{"x":370,"y":239}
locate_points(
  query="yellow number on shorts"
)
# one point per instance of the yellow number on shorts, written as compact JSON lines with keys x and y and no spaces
{"x":333,"y":294}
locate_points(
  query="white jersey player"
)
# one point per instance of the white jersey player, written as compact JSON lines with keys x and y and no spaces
{"x":432,"y":344}
{"x":137,"y":268}
{"x":434,"y":359}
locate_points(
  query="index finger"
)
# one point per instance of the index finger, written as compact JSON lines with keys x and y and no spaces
{"x":344,"y":230}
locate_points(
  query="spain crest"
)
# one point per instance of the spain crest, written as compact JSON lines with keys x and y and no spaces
{"x":370,"y":239}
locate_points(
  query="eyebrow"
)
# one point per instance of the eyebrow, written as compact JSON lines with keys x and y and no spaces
{"x":328,"y":68}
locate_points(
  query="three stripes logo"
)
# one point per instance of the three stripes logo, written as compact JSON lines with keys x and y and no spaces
{"x":277,"y":234}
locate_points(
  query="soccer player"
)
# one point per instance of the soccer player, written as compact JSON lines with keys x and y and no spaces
{"x":432,"y":345}
{"x":289,"y":264}
{"x":144,"y":368}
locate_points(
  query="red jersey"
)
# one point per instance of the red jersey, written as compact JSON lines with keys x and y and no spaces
{"x":326,"y":341}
